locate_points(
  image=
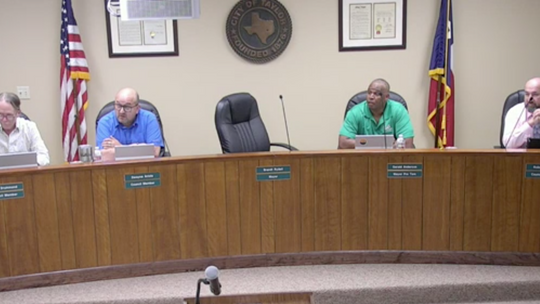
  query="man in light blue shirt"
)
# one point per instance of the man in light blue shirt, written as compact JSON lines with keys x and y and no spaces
{"x":128,"y":124}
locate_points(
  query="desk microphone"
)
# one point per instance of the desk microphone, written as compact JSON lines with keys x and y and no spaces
{"x":527,"y":103}
{"x":212,"y":276}
{"x":285,"y":118}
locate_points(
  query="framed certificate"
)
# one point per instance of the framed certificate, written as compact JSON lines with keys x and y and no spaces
{"x":141,"y":38}
{"x":372,"y":25}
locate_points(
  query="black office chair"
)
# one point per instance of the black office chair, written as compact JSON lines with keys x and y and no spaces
{"x":362,"y":96}
{"x":22,"y":115}
{"x":146,"y":105}
{"x":512,"y":100}
{"x":240,"y":127}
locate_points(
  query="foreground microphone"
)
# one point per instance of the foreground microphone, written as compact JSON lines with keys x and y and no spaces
{"x":285,"y":118}
{"x":212,"y":276}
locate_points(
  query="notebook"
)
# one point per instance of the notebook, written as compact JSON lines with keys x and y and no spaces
{"x":374,"y":141}
{"x":18,"y":160}
{"x":143,"y":151}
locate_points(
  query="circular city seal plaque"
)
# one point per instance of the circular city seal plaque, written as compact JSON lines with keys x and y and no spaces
{"x":259,"y":30}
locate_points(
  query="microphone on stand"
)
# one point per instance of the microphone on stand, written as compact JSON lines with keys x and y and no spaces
{"x":285,"y":118}
{"x":527,"y":103}
{"x":211,"y":278}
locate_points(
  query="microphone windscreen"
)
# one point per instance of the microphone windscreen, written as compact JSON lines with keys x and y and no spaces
{"x":211,"y":272}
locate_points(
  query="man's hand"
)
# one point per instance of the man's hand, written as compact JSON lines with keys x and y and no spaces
{"x":110,"y":142}
{"x":535,"y":118}
{"x":346,"y":143}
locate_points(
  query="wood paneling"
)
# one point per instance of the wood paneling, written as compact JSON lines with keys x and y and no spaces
{"x":395,"y":199}
{"x":478,"y":198}
{"x":208,"y":207}
{"x":144,"y":219}
{"x":266,"y":188}
{"x":193,"y":230}
{"x":506,"y":204}
{"x":232,"y":184}
{"x":412,"y":208}
{"x":216,"y":208}
{"x":288,"y":210}
{"x":307,"y":201}
{"x":436,"y":206}
{"x":20,"y":221}
{"x":457,"y":202}
{"x":327,"y":182}
{"x":101,"y":210}
{"x":122,"y":209}
{"x":378,"y":203}
{"x":5,"y":270}
{"x":165,"y":205}
{"x":48,"y":238}
{"x":529,"y":226}
{"x":82,"y":209}
{"x":65,"y":220}
{"x":354,"y":202}
{"x":250,"y":207}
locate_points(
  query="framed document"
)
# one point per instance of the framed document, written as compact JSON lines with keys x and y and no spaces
{"x":141,"y":38}
{"x":372,"y":25}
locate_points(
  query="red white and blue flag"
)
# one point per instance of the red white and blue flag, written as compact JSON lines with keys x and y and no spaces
{"x":74,"y":75}
{"x":441,"y":123}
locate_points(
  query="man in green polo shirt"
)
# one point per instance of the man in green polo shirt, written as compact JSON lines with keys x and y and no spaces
{"x":378,"y":115}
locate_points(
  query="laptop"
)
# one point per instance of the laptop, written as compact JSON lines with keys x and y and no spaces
{"x":132,"y":152}
{"x":18,"y":160}
{"x":374,"y":141}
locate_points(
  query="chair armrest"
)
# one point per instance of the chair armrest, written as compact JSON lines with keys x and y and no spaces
{"x":286,"y":146}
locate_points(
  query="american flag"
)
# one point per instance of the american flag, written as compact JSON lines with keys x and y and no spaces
{"x":74,"y":74}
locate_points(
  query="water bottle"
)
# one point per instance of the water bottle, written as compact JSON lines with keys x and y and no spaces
{"x":400,"y":142}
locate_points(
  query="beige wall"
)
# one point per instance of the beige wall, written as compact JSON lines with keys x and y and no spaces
{"x":496,"y":51}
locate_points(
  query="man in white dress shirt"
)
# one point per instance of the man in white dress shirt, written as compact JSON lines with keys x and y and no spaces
{"x":18,"y":134}
{"x":523,"y":120}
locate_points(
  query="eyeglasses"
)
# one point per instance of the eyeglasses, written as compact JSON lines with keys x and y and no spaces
{"x":7,"y":116}
{"x":126,"y":109}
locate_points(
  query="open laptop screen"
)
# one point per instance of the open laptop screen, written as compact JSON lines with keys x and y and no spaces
{"x":374,"y":141}
{"x":134,"y":152}
{"x":18,"y":160}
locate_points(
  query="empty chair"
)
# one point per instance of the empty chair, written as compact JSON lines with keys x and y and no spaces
{"x":240,"y":127}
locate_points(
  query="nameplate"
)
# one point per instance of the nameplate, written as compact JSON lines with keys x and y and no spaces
{"x":401,"y":170}
{"x":11,"y":191}
{"x":273,"y":173}
{"x":142,"y":180}
{"x":533,"y":171}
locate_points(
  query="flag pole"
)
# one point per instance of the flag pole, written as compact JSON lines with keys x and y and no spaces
{"x":437,"y":112}
{"x":76,"y":106}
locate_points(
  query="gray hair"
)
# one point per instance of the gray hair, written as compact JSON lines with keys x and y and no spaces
{"x":12,"y":99}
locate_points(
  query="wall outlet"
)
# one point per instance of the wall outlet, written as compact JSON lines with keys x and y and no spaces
{"x":23,"y":92}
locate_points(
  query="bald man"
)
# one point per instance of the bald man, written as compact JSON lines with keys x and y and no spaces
{"x":377,"y":115}
{"x":523,"y":120}
{"x":128,"y":124}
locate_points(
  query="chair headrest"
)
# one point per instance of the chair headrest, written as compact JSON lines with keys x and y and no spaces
{"x":242,"y":107}
{"x":362,"y":96}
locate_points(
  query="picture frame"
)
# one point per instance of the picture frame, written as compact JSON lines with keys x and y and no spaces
{"x":368,"y":25}
{"x":146,"y":38}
